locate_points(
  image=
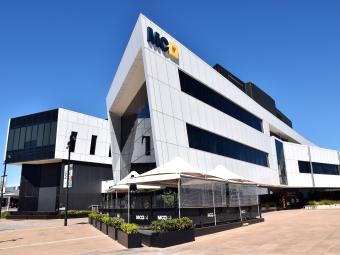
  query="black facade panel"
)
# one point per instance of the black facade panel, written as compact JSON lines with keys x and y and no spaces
{"x":86,"y":185}
{"x":34,"y":181}
{"x":261,"y":97}
{"x":32,"y":137}
{"x":284,"y":118}
{"x":229,"y":76}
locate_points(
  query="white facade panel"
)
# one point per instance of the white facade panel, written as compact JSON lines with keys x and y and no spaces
{"x":170,"y":110}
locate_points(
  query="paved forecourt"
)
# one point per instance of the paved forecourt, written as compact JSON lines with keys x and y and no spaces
{"x":284,"y":232}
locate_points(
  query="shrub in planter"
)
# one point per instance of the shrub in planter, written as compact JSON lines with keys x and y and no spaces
{"x":105,"y":223}
{"x":129,"y":236}
{"x":172,"y":232}
{"x":99,"y":221}
{"x":4,"y":215}
{"x":113,"y":226}
{"x":92,"y":218}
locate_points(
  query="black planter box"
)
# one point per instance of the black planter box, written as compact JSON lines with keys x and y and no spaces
{"x":98,"y":225}
{"x":167,"y":239}
{"x":104,"y":228}
{"x":129,"y":241}
{"x":90,"y":221}
{"x":112,"y":232}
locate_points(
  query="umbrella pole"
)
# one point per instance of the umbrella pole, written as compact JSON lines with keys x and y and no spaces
{"x":129,"y":204}
{"x":258,"y":204}
{"x":179,"y":197}
{"x":213,"y":190}
{"x":116,"y":203}
{"x":239,"y":204}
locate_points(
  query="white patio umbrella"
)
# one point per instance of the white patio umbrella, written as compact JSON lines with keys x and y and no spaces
{"x":225,"y":174}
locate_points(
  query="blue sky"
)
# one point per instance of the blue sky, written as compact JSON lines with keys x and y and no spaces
{"x":65,"y":54}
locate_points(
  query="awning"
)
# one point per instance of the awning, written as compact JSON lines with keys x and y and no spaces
{"x":225,"y":174}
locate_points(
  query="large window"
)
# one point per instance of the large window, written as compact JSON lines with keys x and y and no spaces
{"x":201,"y":92}
{"x":319,"y":168}
{"x":32,"y":137}
{"x":209,"y":142}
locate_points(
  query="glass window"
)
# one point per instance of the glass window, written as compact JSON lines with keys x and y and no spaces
{"x":28,"y":134}
{"x":40,"y":135}
{"x":34,"y":132}
{"x":110,"y":151}
{"x":318,"y":168}
{"x":201,"y":92}
{"x":10,"y":140}
{"x":16,"y":139}
{"x":22,"y":138}
{"x":53,"y":132}
{"x":93,"y":145}
{"x":47,"y":130}
{"x":209,"y":142}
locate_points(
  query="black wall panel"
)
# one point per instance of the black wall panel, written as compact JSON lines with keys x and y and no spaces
{"x":86,"y":184}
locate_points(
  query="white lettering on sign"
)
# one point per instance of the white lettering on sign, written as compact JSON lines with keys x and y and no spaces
{"x":163,"y":217}
{"x":142,"y":217}
{"x":210,"y":215}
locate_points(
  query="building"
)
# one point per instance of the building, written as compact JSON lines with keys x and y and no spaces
{"x":165,"y":94}
{"x":38,"y":143}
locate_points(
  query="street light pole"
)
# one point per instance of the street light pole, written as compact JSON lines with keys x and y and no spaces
{"x":69,"y":144}
{"x":3,"y":185}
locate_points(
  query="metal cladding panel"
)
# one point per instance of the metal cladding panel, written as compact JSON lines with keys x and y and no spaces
{"x":86,"y":185}
{"x":171,"y":109}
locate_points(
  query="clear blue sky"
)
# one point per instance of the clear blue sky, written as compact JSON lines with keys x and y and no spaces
{"x":65,"y":54}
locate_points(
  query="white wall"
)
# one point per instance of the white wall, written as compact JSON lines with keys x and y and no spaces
{"x":170,"y":110}
{"x":294,"y":153}
{"x":86,"y":126}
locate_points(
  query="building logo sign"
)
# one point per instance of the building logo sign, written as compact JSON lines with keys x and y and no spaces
{"x":161,"y":42}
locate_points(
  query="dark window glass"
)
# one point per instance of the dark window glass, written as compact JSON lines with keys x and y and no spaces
{"x":47,"y":130}
{"x":16,"y":139}
{"x":34,"y":132}
{"x":10,"y":140}
{"x":304,"y":167}
{"x":53,"y":132}
{"x":40,"y":135}
{"x":29,"y":137}
{"x":319,"y":168}
{"x":22,"y":138}
{"x":281,"y":162}
{"x":93,"y":145}
{"x":110,"y":151}
{"x":209,"y":142}
{"x":28,"y":134}
{"x":73,"y":142}
{"x":147,"y":144}
{"x":201,"y":92}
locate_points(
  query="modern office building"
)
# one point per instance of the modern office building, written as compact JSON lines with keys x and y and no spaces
{"x":166,"y":98}
{"x":38,"y":142}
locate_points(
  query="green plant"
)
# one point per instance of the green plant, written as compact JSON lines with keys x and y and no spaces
{"x":106,"y":219}
{"x":4,"y":215}
{"x":176,"y":224}
{"x":116,"y":222}
{"x":268,"y":204}
{"x":129,"y":228}
{"x":92,"y":216}
{"x":84,"y":213}
{"x":99,"y":216}
{"x":169,"y":198}
{"x":323,"y":202}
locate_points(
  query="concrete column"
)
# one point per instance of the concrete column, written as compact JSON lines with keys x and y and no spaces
{"x":8,"y":203}
{"x":311,"y":166}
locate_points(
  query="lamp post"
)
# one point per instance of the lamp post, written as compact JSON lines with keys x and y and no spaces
{"x":3,"y":182}
{"x":70,"y":145}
